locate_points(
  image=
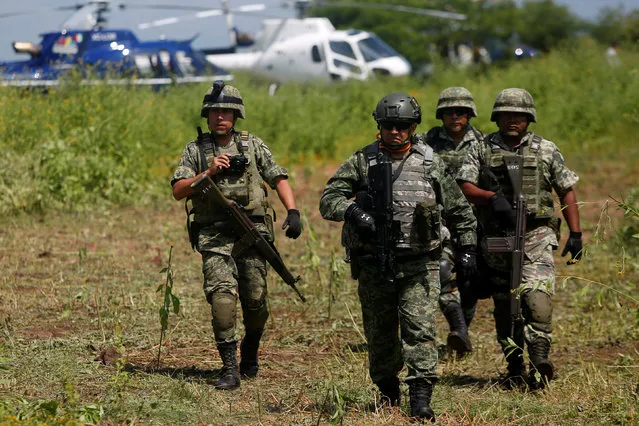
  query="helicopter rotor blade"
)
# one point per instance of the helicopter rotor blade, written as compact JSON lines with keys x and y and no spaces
{"x":304,"y":5}
{"x":36,"y":11}
{"x":240,"y":10}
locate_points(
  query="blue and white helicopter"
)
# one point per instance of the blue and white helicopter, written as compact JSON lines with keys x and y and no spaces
{"x":99,"y":55}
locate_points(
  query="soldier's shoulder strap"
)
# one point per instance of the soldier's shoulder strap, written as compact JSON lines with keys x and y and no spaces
{"x":205,"y":144}
{"x":535,"y":142}
{"x":427,"y":153}
{"x":246,"y":139}
{"x":371,"y":152}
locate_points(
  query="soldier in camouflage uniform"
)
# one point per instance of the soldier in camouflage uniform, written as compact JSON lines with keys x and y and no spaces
{"x":239,"y":163}
{"x":406,"y":294}
{"x":451,"y":141}
{"x":484,"y":180}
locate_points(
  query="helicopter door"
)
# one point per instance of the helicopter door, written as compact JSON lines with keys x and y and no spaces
{"x":342,"y":63}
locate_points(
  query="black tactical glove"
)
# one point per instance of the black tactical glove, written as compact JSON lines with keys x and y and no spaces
{"x":364,"y":222}
{"x":467,"y":262}
{"x":503,"y":209}
{"x":574,"y":246}
{"x":294,"y":224}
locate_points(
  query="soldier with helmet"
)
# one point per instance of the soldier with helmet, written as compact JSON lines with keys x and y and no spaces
{"x":485,"y":182}
{"x":392,"y":195}
{"x":451,"y":141}
{"x":240,"y":164}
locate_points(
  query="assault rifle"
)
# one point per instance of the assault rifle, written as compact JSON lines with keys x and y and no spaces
{"x":514,"y":243}
{"x":250,"y":236}
{"x":380,"y":190}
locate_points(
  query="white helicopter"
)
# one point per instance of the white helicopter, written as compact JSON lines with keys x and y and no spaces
{"x":306,"y":49}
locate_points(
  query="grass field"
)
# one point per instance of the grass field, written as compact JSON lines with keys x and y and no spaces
{"x":79,"y":311}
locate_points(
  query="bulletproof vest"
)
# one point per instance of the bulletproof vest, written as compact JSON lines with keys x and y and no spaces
{"x":453,"y":158}
{"x":245,"y":187}
{"x":536,"y":190}
{"x":411,"y":187}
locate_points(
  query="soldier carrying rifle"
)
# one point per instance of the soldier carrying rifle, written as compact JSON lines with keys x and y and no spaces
{"x":231,"y":225}
{"x":510,"y":179}
{"x":393,"y":195}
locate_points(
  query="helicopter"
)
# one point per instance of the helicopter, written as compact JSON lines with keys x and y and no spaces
{"x":101,"y":55}
{"x":304,"y":49}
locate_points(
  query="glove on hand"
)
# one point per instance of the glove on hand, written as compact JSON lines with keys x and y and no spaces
{"x":363,"y":221}
{"x":574,"y":246}
{"x":468,"y":262}
{"x":504,"y":210}
{"x":293,"y":223}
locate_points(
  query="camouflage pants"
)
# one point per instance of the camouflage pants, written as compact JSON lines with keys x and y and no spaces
{"x":399,"y":319}
{"x":451,"y":296}
{"x":536,"y":290}
{"x":449,"y":293}
{"x":227,"y":278}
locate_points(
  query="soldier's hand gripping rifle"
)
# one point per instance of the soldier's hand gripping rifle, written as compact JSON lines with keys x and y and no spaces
{"x":380,"y":189}
{"x":514,"y":243}
{"x":250,"y":236}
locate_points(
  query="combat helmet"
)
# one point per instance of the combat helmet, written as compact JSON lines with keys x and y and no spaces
{"x":514,"y":100}
{"x":221,"y":95}
{"x":398,"y":106}
{"x":456,"y":97}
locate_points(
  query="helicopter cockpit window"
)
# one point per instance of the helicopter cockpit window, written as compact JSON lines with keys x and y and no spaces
{"x":342,"y":48}
{"x":373,"y":48}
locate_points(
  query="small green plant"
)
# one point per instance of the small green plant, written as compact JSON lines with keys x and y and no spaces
{"x":170,"y":301}
{"x":628,"y":235}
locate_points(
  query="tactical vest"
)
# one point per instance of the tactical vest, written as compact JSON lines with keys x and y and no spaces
{"x":535,"y":188}
{"x":453,"y":158}
{"x":247,"y":188}
{"x":412,"y":192}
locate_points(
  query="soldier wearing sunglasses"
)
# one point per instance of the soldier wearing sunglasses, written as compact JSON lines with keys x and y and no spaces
{"x":393,"y":195}
{"x":451,"y":141}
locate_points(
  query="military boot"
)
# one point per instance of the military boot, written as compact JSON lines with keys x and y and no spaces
{"x":389,"y":388}
{"x":515,"y":377}
{"x":541,"y":369}
{"x":458,"y":339}
{"x":230,"y":378}
{"x":420,"y":392}
{"x":248,"y":353}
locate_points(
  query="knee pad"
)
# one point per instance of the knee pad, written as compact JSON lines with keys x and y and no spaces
{"x":445,"y":271}
{"x":223,"y":310}
{"x":537,"y":310}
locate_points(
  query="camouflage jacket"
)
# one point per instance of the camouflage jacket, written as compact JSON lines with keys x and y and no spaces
{"x":190,"y":164}
{"x":556,"y":174}
{"x":351,"y":177}
{"x":451,"y":152}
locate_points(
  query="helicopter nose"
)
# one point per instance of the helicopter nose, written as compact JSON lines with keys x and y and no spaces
{"x":394,"y":65}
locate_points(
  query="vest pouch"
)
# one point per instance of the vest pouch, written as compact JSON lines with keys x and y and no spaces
{"x":428,"y":223}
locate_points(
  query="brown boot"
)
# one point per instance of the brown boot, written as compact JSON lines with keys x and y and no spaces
{"x":458,"y":339}
{"x":248,"y":353}
{"x":230,"y":377}
{"x":421,"y":391}
{"x":541,"y":369}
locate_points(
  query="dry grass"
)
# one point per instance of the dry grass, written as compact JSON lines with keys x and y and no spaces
{"x":79,"y":324}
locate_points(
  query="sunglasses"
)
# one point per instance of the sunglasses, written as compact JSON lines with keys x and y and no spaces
{"x":399,"y":126}
{"x":457,"y":111}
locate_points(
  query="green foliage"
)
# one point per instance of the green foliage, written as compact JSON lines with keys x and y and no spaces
{"x":170,"y":301}
{"x":628,"y":235}
{"x":47,"y":411}
{"x":77,"y":147}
